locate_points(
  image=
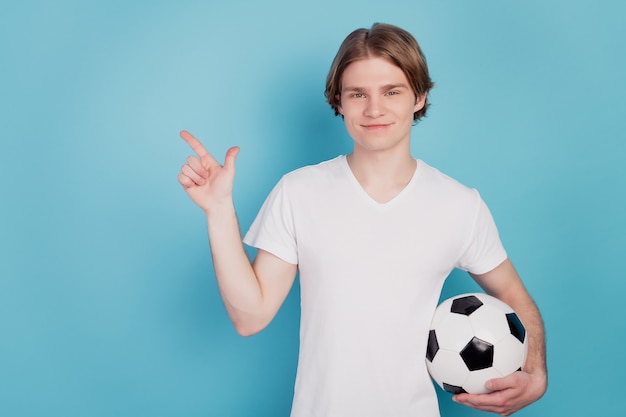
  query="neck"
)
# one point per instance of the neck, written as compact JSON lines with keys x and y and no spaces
{"x":382,"y":175}
{"x":381,"y":166}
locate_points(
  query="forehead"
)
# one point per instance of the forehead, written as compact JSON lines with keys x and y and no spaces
{"x":372,"y":72}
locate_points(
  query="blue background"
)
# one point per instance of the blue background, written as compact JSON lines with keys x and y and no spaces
{"x":108,"y":304}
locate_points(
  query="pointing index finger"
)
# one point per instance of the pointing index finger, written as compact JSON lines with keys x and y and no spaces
{"x":194,"y":143}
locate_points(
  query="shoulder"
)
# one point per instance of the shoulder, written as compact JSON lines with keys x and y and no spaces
{"x":444,"y":191}
{"x":439,"y":183}
{"x":321,"y":172}
{"x":312,"y":183}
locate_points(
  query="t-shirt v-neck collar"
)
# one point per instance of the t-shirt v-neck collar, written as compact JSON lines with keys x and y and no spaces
{"x":364,"y":194}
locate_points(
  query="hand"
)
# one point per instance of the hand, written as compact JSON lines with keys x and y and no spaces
{"x":510,"y":394}
{"x":203,"y":178}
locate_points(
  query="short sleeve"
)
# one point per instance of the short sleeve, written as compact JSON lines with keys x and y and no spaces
{"x":273,"y":228}
{"x":484,"y":250}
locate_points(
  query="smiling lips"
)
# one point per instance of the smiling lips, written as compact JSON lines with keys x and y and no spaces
{"x":375,"y":126}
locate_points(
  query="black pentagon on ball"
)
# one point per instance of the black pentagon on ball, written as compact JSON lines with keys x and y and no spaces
{"x":433,"y":346}
{"x":466,"y":305}
{"x":517,"y":328}
{"x":453,"y":389}
{"x":477,"y":354}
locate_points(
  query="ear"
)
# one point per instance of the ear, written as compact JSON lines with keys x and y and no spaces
{"x":339,"y":108}
{"x":420,"y":102}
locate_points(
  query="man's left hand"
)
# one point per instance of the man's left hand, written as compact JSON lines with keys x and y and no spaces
{"x":510,"y":394}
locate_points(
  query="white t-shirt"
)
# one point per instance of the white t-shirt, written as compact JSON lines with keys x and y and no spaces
{"x":370,"y":276}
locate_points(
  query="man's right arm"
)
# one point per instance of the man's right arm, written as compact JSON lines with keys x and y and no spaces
{"x":252,"y":293}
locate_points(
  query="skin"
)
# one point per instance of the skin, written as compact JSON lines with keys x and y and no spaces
{"x":377,"y":105}
{"x":519,"y":389}
{"x":252,"y":293}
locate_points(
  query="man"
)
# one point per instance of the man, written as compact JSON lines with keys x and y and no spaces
{"x":373,"y":234}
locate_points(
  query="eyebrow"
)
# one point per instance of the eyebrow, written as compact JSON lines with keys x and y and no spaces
{"x":385,"y":87}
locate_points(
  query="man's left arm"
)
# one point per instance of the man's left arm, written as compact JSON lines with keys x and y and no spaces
{"x":519,"y":389}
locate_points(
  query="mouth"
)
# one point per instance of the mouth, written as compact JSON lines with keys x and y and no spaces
{"x":377,"y":126}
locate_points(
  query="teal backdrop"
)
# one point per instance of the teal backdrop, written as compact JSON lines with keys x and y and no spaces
{"x":108,"y":302}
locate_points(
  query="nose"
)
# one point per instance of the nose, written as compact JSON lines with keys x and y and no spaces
{"x":374,"y":107}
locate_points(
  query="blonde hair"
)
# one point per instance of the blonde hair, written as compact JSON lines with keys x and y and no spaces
{"x":381,"y":41}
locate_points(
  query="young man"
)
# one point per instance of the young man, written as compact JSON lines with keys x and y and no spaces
{"x":373,"y":234}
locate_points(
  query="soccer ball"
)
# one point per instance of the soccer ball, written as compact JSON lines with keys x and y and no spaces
{"x":473,"y":338}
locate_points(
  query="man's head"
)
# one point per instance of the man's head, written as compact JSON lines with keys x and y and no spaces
{"x":381,"y":41}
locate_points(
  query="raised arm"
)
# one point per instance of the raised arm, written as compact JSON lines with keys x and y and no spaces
{"x":520,"y":389}
{"x":252,"y":293}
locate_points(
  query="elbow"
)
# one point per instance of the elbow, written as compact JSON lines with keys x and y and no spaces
{"x":248,"y":329}
{"x":249,"y":322}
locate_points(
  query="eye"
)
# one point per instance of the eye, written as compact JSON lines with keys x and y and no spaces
{"x":393,"y":93}
{"x":357,"y":95}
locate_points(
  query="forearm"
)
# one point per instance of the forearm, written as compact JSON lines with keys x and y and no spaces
{"x":504,"y":283}
{"x":535,"y":372}
{"x":236,"y":279}
{"x":529,"y":314}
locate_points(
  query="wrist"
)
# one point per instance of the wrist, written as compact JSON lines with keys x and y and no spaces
{"x":219,"y":209}
{"x":539,"y":378}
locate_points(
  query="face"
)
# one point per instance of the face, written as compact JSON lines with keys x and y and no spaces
{"x":377,"y":104}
